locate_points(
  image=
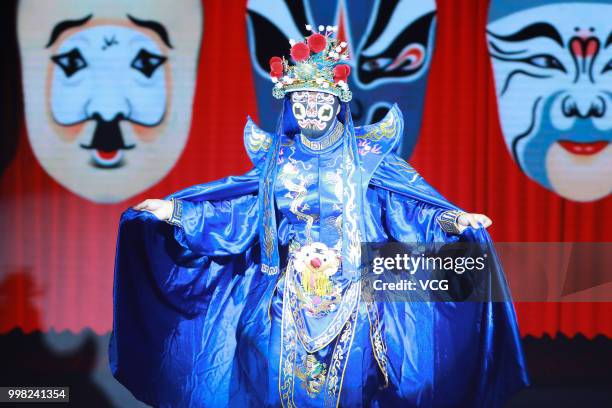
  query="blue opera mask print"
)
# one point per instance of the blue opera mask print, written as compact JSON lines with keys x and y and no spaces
{"x":552,"y":63}
{"x":390,"y":45}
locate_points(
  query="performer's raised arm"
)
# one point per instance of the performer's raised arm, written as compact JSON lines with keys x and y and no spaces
{"x":208,"y":228}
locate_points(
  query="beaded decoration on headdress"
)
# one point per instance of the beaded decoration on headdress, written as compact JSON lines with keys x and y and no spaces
{"x":317,"y":66}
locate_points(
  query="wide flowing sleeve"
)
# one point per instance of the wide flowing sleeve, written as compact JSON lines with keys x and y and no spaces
{"x":216,"y":220}
{"x":179,"y":292}
{"x":413,"y":210}
{"x":216,"y":227}
{"x":410,"y":220}
{"x":428,"y":343}
{"x":180,"y":258}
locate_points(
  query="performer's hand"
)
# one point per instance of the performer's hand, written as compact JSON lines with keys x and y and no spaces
{"x":162,"y":209}
{"x":474,"y":220}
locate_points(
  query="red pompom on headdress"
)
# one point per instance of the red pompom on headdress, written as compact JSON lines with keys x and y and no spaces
{"x":300,"y":52}
{"x":316,"y":64}
{"x":276,"y":67}
{"x":341,"y":72}
{"x":317,"y":42}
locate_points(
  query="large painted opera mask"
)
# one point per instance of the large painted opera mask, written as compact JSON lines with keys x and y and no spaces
{"x":108,"y":89}
{"x":390,"y":46}
{"x":552,"y":62}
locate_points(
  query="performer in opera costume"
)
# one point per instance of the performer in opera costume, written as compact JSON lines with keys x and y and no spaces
{"x":246,"y":291}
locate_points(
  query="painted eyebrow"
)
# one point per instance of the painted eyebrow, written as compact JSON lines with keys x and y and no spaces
{"x":155,"y":26}
{"x":65,"y":25}
{"x":532,"y":31}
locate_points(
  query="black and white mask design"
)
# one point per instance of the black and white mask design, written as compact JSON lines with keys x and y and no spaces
{"x":315,"y":112}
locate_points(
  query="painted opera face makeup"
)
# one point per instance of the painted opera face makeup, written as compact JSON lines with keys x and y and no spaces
{"x":553,"y":76}
{"x":108,"y":90}
{"x":314,"y":111}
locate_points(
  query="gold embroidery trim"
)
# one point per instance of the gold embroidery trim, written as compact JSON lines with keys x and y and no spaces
{"x":337,"y":366}
{"x":325,"y":141}
{"x":386,"y":129}
{"x":258,"y":140}
{"x":378,"y":344}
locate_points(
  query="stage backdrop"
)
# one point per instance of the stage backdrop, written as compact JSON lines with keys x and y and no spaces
{"x":124,"y":103}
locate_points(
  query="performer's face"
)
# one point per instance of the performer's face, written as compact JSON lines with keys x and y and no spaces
{"x":314,"y":111}
{"x":108,"y":90}
{"x":553,"y":74}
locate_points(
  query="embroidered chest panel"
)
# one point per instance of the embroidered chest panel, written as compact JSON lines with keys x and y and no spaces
{"x":308,"y":193}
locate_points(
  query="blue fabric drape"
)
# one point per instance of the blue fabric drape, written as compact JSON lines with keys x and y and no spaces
{"x":196,"y":322}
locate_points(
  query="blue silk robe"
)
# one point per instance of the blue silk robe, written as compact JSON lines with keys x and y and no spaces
{"x":219,"y":310}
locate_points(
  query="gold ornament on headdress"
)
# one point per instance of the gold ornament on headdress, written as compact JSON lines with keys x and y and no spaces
{"x":318,"y":66}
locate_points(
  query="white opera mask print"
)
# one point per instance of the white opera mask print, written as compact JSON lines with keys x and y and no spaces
{"x":314,"y":111}
{"x":92,"y":83}
{"x":108,"y":91}
{"x":553,"y":76}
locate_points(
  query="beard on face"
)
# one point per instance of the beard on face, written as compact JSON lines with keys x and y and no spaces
{"x":312,"y":124}
{"x":107,"y":143}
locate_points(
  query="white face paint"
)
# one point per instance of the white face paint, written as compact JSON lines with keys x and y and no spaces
{"x":314,"y":111}
{"x":108,"y":90}
{"x":123,"y":79}
{"x":553,"y":76}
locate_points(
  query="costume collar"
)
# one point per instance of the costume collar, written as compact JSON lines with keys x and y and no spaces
{"x":323,"y":143}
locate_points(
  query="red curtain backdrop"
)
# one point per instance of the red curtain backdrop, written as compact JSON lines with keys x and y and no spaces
{"x":58,"y":249}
